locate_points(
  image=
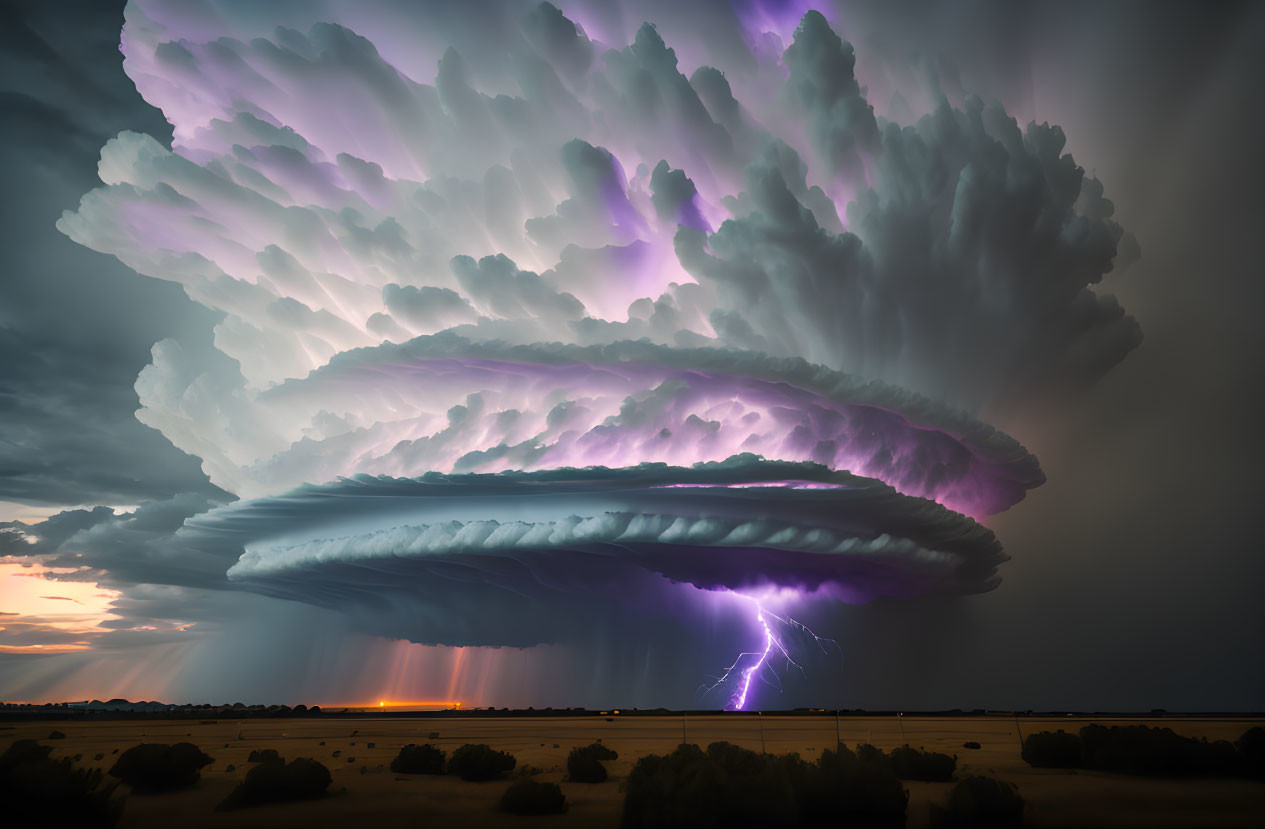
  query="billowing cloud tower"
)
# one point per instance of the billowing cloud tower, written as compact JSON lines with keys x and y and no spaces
{"x":540,"y":320}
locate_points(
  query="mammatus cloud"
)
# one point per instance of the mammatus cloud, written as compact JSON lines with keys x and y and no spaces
{"x":478,"y":259}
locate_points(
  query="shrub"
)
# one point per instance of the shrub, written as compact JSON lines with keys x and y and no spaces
{"x":529,"y":797}
{"x":415,"y":759}
{"x":265,"y":755}
{"x":480,"y":762}
{"x":584,"y":763}
{"x":913,"y":764}
{"x":1251,"y":748}
{"x":692,"y":788}
{"x":971,"y":744}
{"x":1053,"y":750}
{"x":300,"y":779}
{"x":39,"y":792}
{"x":731,"y":786}
{"x":1156,"y":752}
{"x":853,"y":789}
{"x":867,"y":753}
{"x":56,"y":735}
{"x":980,"y":803}
{"x":157,"y":767}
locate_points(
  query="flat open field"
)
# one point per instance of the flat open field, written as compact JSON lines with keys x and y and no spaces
{"x":366,"y":793}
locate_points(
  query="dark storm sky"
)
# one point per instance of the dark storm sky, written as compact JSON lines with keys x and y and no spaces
{"x":1137,"y":571}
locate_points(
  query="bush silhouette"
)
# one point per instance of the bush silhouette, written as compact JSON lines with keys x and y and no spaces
{"x":1053,"y":750}
{"x":529,"y":797}
{"x":980,"y":803}
{"x":300,"y":779}
{"x":867,"y":753}
{"x":584,"y":763}
{"x":913,"y":764}
{"x":1251,"y":748}
{"x":853,"y":789}
{"x":479,"y":762}
{"x":157,"y":767}
{"x":1156,"y":752}
{"x":265,"y":755}
{"x":692,"y":788}
{"x":731,"y":786}
{"x":40,"y":792}
{"x":415,"y":759}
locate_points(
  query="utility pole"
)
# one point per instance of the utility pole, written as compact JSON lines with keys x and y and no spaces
{"x":683,"y":740}
{"x":760,"y":714}
{"x":838,"y":739}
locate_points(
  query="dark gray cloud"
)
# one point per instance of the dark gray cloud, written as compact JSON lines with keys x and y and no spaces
{"x":121,"y":549}
{"x":75,"y":327}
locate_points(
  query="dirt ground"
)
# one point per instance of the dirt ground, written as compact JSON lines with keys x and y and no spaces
{"x":366,"y":793}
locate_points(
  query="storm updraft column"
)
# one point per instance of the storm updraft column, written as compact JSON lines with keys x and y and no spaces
{"x":550,"y":331}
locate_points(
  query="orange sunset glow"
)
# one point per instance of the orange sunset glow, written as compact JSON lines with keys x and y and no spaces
{"x":397,"y":705}
{"x":39,"y":614}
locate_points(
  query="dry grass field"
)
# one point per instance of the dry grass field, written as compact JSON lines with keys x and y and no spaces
{"x":366,"y":793}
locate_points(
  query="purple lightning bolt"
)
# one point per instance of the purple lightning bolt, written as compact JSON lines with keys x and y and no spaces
{"x":741,"y":699}
{"x":772,"y":642}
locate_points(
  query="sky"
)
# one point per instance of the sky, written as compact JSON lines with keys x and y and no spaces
{"x":439,"y":249}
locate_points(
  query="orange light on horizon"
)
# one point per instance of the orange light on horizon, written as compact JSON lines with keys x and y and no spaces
{"x":387,"y":704}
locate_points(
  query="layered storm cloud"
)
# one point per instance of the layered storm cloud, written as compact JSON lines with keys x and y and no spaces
{"x":519,"y":557}
{"x":547,"y":314}
{"x":445,"y":403}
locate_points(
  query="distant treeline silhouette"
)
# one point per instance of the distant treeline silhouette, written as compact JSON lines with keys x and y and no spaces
{"x":115,"y":710}
{"x":1147,"y":751}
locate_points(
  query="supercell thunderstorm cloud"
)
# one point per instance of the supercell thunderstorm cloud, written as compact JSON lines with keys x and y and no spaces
{"x":542,"y":323}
